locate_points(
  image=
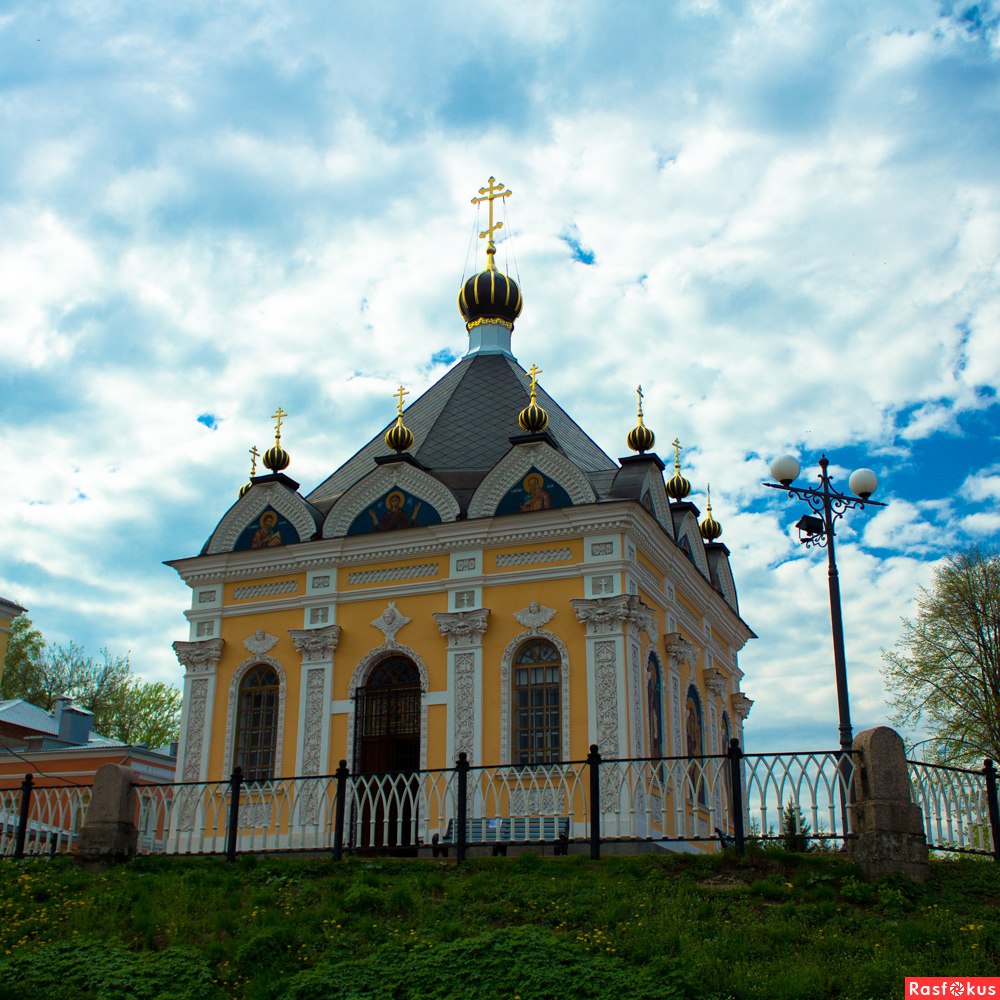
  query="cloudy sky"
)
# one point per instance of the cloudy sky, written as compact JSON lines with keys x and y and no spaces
{"x":783,"y":218}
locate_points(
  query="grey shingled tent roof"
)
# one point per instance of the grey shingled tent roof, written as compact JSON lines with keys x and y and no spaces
{"x":462,"y":426}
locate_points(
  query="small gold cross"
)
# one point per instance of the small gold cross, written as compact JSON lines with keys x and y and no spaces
{"x":534,"y":371}
{"x":254,"y":455}
{"x":278,"y":415}
{"x":494,"y":190}
{"x":639,"y":391}
{"x":399,"y":394}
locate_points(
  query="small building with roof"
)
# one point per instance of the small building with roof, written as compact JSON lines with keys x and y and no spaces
{"x":478,"y":577}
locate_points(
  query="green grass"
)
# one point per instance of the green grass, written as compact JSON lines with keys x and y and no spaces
{"x":772,"y":925}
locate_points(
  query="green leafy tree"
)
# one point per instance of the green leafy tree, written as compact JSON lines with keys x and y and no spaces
{"x":125,"y":707}
{"x":944,"y":670}
{"x":22,"y":663}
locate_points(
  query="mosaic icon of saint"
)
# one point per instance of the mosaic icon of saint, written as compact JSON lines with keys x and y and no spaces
{"x":538,"y":498}
{"x":268,"y":534}
{"x":395,"y":516}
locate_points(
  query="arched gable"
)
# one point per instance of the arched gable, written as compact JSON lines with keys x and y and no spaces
{"x":372,"y":494}
{"x":511,"y":471}
{"x":690,"y":540}
{"x":653,"y":496}
{"x":722,"y":579}
{"x":292,"y":515}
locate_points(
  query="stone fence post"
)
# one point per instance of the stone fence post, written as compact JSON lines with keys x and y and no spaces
{"x":888,"y":826}
{"x":109,"y":835}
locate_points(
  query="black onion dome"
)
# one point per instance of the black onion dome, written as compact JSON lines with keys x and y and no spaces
{"x":678,"y":487}
{"x":244,"y":488}
{"x":710,"y":529}
{"x":640,"y":439}
{"x":399,"y":437}
{"x":533,"y":419}
{"x":276,"y":459}
{"x":490,"y":296}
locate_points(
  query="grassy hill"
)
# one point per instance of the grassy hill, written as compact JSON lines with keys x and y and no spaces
{"x":770,"y":925}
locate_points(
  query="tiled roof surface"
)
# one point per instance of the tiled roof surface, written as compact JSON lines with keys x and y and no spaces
{"x":462,"y":427}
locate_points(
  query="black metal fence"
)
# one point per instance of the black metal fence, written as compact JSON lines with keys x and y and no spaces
{"x":678,"y":803}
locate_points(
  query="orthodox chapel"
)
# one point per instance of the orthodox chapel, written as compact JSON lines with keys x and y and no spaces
{"x":479,"y":576}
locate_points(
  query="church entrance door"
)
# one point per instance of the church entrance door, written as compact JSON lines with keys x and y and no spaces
{"x":387,"y":756}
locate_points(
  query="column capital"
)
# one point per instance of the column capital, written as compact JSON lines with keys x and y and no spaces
{"x":605,"y":615}
{"x":463,"y":628}
{"x":316,"y":643}
{"x":679,"y":650}
{"x":715,"y":681}
{"x":741,"y":705}
{"x":199,"y":657}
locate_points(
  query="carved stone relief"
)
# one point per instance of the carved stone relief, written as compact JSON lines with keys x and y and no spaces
{"x":260,"y":642}
{"x":716,"y":682}
{"x":316,"y":643}
{"x":195,"y":741}
{"x":199,"y":657}
{"x":390,"y":622}
{"x":534,"y":616}
{"x":741,"y":705}
{"x":465,"y":703}
{"x":463,"y":628}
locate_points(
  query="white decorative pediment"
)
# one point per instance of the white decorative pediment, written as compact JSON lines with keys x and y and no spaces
{"x":515,"y":465}
{"x":534,"y":616}
{"x":199,"y":657}
{"x":260,"y":642}
{"x":367,"y":492}
{"x":251,"y":505}
{"x":390,"y":622}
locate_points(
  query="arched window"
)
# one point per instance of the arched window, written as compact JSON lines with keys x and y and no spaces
{"x":257,"y":723}
{"x":695,"y":734}
{"x":654,"y":706}
{"x":537,"y":711}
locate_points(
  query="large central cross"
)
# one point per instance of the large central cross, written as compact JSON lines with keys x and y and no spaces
{"x":490,"y":193}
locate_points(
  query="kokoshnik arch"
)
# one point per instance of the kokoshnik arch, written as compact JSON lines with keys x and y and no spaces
{"x":480,"y":576}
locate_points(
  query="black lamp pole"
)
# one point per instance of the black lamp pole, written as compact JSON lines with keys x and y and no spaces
{"x":830,"y":505}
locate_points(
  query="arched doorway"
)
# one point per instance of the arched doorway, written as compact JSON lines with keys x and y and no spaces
{"x":387,"y":754}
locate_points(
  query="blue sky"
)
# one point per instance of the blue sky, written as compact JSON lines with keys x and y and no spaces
{"x":783,"y":218}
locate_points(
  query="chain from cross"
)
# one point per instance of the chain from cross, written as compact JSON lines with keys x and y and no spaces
{"x":533,"y":372}
{"x":278,"y":415}
{"x":398,"y":395}
{"x":254,"y":455}
{"x":493,"y":191}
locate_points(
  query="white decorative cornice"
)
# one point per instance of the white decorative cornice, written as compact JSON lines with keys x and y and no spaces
{"x":377,"y":483}
{"x":252,"y":504}
{"x":716,"y":681}
{"x":741,"y":705}
{"x":516,"y":464}
{"x":534,"y":616}
{"x":260,"y":642}
{"x":390,"y":622}
{"x":316,"y":643}
{"x":199,"y":657}
{"x":463,"y":628}
{"x":679,"y":650}
{"x":642,"y":617}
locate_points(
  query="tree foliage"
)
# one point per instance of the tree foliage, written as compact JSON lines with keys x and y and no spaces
{"x":944,"y":670}
{"x":125,"y":707}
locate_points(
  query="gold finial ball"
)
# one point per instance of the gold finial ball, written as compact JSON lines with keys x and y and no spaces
{"x":276,"y":459}
{"x":678,"y":487}
{"x":399,"y":437}
{"x":533,"y":419}
{"x":710,"y":529}
{"x":641,"y":439}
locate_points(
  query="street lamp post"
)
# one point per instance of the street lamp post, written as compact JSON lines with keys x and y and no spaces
{"x":830,"y":505}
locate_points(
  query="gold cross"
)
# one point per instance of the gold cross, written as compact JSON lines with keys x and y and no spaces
{"x":278,"y":415}
{"x":254,"y":455}
{"x":677,"y":455}
{"x":534,"y":371}
{"x":639,"y":391}
{"x":399,"y":394}
{"x":493,"y":191}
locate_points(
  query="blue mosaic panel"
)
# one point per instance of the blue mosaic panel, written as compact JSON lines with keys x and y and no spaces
{"x":396,"y":509}
{"x":266,"y":531}
{"x":534,"y":492}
